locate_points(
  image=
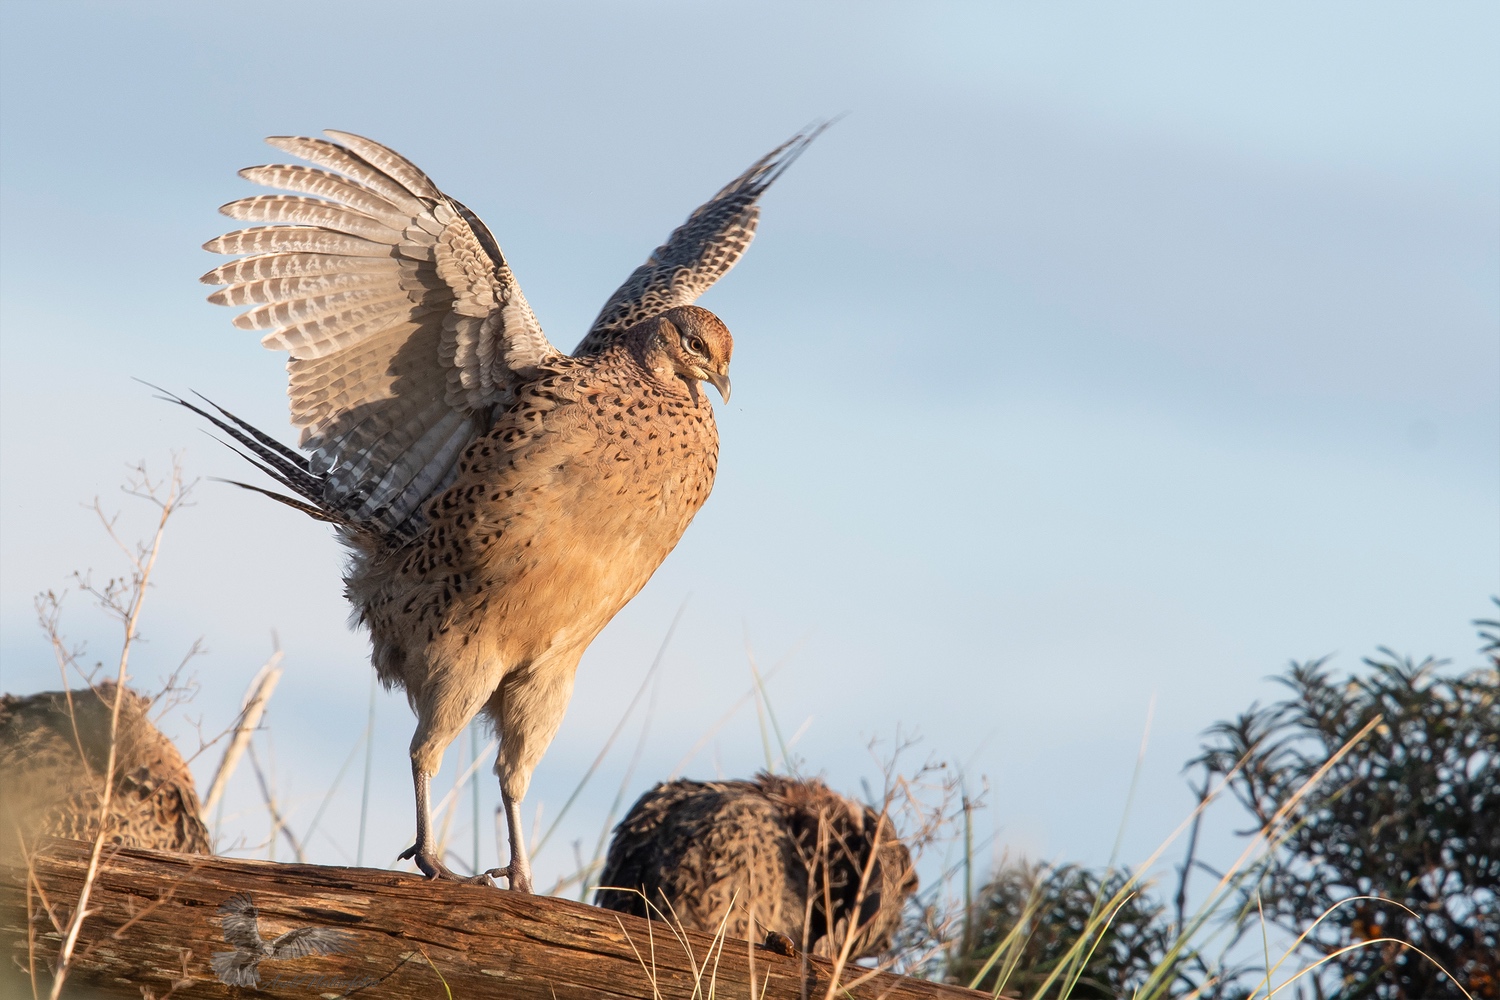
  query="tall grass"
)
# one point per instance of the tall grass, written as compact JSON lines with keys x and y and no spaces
{"x":121,"y":598}
{"x":1195,"y":933}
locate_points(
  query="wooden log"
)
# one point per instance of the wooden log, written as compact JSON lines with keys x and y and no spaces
{"x":154,"y":925}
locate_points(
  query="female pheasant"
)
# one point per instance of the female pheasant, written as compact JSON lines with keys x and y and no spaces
{"x":501,"y":500}
{"x":776,"y":854}
{"x":54,"y":755}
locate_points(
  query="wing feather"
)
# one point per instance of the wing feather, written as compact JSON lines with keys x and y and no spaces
{"x":336,"y":157}
{"x":288,"y":265}
{"x":424,"y":461}
{"x":324,"y":334}
{"x":287,"y":311}
{"x":319,"y":387}
{"x":301,"y":210}
{"x":296,"y":287}
{"x":404,"y":320}
{"x":390,"y":163}
{"x":296,"y":239}
{"x":322,"y":184}
{"x":699,"y":252}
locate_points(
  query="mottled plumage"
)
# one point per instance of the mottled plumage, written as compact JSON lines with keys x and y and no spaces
{"x":698,"y":252}
{"x":502,"y":500}
{"x":759,"y":856}
{"x":52,"y":764}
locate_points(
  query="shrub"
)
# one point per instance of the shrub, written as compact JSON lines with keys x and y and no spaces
{"x":1055,"y":907}
{"x":1409,"y":816}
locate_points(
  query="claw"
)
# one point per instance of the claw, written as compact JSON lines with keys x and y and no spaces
{"x":518,"y":883}
{"x":436,"y":870}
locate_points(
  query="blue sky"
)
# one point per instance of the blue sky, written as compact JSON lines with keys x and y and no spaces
{"x":1100,"y":355}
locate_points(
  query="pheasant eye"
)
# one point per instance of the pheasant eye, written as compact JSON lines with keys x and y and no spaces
{"x":696,"y":346}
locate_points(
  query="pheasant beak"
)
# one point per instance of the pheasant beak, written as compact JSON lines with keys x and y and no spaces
{"x":720,"y":381}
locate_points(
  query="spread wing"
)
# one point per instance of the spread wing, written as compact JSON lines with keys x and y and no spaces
{"x":238,"y":917}
{"x":699,"y":251}
{"x":309,"y":941}
{"x":403,"y":319}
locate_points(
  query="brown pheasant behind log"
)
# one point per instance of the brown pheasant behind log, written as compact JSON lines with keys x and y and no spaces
{"x":756,"y":856}
{"x":54,"y":751}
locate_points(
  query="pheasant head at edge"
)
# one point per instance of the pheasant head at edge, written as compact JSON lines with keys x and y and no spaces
{"x":687,"y":342}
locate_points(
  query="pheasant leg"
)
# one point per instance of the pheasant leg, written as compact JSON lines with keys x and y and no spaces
{"x":526,"y":710}
{"x":519,"y":869}
{"x":422,"y":851}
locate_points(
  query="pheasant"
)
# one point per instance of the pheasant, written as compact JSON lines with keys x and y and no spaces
{"x":501,"y":500}
{"x":54,"y":752}
{"x":777,"y":858}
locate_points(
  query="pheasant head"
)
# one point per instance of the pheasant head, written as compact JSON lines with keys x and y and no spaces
{"x":690,"y":343}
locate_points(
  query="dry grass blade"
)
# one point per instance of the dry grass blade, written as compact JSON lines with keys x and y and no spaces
{"x":1265,"y":841}
{"x":1367,"y":944}
{"x":709,"y":966}
{"x":278,"y":820}
{"x":835,"y":984}
{"x":723,"y":720}
{"x":447,"y":991}
{"x":466,"y":776}
{"x":1268,"y":835}
{"x":364,"y":797}
{"x":257,"y":696}
{"x":338,"y":779}
{"x":1077,"y":959}
{"x":1307,"y":932}
{"x":445,"y":808}
{"x":1009,"y":949}
{"x":124,"y":600}
{"x":597,"y":861}
{"x":615,"y":734}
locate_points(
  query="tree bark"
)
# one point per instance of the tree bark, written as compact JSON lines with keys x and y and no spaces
{"x":155,"y":924}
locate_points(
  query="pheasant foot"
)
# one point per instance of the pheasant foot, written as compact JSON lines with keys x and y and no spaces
{"x":520,"y":881}
{"x":435,"y":869}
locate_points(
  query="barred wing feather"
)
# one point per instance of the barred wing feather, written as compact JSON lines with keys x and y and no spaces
{"x":699,"y":251}
{"x":405,"y":324}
